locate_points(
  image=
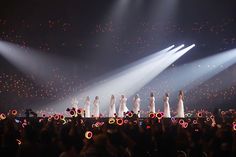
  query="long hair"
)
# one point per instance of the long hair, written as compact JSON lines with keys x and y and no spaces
{"x":181,"y":92}
{"x":151,"y":94}
{"x":87,"y":98}
{"x":167,"y":94}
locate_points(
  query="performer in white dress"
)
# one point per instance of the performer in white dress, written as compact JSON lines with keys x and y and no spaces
{"x":166,"y":106}
{"x":180,"y":107}
{"x":96,"y":107}
{"x":112,"y":106}
{"x":75,"y":103}
{"x":136,"y":105}
{"x":152,"y":103}
{"x":122,"y":108}
{"x":87,"y":107}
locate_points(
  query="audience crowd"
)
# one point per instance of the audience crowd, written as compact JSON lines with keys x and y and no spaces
{"x":199,"y":134}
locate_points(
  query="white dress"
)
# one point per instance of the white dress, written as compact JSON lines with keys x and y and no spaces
{"x":166,"y":107}
{"x":75,"y":103}
{"x":180,"y":107}
{"x":96,"y":108}
{"x":87,"y":108}
{"x":112,"y":107}
{"x":136,"y":106}
{"x":122,"y":108}
{"x":152,"y":104}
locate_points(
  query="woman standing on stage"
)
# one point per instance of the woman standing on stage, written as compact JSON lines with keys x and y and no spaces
{"x":96,"y":107}
{"x":152,"y":103}
{"x":166,"y":106}
{"x":75,"y":103}
{"x":136,"y":105}
{"x":112,"y":106}
{"x":122,"y":108}
{"x":87,"y":107}
{"x":180,"y":107}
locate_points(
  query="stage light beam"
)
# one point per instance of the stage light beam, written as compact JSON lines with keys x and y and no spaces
{"x":132,"y":79}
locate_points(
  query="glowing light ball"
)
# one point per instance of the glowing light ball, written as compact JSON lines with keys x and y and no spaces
{"x":111,"y":120}
{"x":185,"y":125}
{"x":56,"y":117}
{"x":80,"y":111}
{"x":119,"y":121}
{"x":152,"y":115}
{"x":18,"y":141}
{"x":88,"y":135}
{"x":181,"y":121}
{"x":62,"y":117}
{"x":3,"y":116}
{"x":234,"y":127}
{"x":159,"y":115}
{"x":72,"y":113}
{"x":126,"y":121}
{"x":49,"y":118}
{"x":199,"y":114}
{"x":14,"y":112}
{"x":130,"y":114}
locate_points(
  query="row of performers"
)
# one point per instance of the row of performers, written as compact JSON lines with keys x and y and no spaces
{"x":136,"y":106}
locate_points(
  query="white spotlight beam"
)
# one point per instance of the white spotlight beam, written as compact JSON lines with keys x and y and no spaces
{"x":145,"y":72}
{"x":115,"y":83}
{"x":144,"y":61}
{"x":131,"y":80}
{"x":28,"y":60}
{"x":191,"y":75}
{"x":170,"y":59}
{"x":122,"y":82}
